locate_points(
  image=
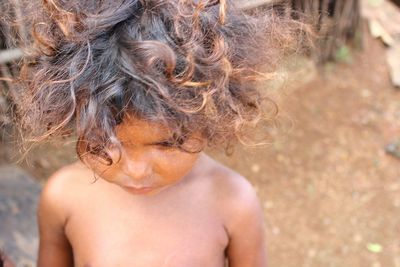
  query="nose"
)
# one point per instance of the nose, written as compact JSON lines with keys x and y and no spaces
{"x":138,"y":168}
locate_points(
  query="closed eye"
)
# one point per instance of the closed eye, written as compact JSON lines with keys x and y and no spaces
{"x":165,"y":144}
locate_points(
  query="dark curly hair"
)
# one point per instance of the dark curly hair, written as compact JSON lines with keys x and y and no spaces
{"x":191,"y":65}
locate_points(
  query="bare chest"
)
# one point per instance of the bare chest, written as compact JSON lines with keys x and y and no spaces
{"x":178,"y":235}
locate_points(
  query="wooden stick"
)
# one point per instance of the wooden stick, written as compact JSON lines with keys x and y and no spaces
{"x":249,"y":4}
{"x":9,"y":55}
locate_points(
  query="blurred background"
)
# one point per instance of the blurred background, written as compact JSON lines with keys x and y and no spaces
{"x":329,"y":182}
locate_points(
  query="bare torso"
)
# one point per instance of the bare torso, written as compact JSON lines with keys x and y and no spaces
{"x":210,"y":217}
{"x":182,"y":226}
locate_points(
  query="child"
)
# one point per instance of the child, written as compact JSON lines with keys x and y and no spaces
{"x":146,"y":85}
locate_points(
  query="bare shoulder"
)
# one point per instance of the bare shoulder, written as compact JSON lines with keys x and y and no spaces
{"x":230,"y":185}
{"x":242,"y":217}
{"x":62,"y":187}
{"x":58,"y":201}
{"x":235,"y":194}
{"x":75,"y":174}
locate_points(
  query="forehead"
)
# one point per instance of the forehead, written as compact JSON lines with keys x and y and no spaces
{"x":134,"y":130}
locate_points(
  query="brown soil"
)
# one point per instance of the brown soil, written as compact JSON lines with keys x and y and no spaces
{"x":330,"y":193}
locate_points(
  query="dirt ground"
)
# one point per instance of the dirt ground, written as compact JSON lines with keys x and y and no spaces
{"x":331,"y":194}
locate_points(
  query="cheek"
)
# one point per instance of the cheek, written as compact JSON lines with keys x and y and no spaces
{"x":174,"y":165}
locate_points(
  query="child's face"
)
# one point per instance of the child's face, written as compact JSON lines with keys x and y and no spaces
{"x":145,"y":164}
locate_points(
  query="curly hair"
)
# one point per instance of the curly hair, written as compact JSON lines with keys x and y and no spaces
{"x":190,"y":65}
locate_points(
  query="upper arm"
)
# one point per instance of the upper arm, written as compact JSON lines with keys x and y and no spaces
{"x":54,"y":248}
{"x":247,"y":244}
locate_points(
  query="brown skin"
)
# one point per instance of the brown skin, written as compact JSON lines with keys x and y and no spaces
{"x":185,"y":210}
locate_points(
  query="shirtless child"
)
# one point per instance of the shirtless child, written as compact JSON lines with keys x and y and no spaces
{"x":156,"y":207}
{"x":146,"y":85}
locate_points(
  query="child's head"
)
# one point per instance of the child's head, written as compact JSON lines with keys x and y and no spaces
{"x":147,"y":160}
{"x":188,"y":66}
